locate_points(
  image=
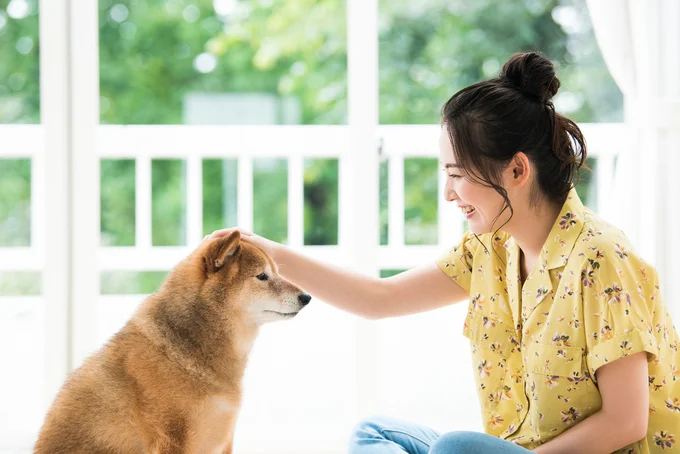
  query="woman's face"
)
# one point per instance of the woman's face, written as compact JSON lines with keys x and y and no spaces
{"x":479,"y":204}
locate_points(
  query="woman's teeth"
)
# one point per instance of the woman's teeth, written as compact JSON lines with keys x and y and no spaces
{"x":468,"y":211}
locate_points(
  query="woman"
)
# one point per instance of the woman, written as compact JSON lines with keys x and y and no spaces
{"x":573,"y":346}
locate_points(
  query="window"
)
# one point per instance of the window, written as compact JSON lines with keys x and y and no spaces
{"x":214,"y":113}
{"x":428,"y":51}
{"x":22,"y":308}
{"x":223,"y":62}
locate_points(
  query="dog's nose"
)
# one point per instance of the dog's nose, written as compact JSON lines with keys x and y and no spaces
{"x":304,"y":298}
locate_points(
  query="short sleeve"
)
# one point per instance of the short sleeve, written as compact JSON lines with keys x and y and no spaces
{"x":619,"y":293}
{"x":457,"y":261}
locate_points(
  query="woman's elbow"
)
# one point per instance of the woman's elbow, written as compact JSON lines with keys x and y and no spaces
{"x":371,"y":315}
{"x":635,"y":428}
{"x":376,"y":306}
{"x":640,"y":429}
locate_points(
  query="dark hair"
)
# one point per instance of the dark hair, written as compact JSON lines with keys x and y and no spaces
{"x":490,"y":121}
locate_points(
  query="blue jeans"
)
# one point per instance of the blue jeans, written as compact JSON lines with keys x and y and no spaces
{"x":380,"y":435}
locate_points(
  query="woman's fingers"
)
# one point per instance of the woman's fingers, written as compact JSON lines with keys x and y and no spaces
{"x":219,"y":233}
{"x":223,"y":232}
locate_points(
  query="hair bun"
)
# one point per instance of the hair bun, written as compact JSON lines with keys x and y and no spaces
{"x":533,"y":74}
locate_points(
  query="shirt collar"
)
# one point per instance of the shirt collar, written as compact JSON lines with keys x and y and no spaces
{"x":554,"y":254}
{"x":564,"y":233}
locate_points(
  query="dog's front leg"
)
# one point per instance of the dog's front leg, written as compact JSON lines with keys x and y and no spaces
{"x":167,"y":444}
{"x":230,"y":434}
{"x":165,"y":448}
{"x":230,"y":442}
{"x":228,"y":448}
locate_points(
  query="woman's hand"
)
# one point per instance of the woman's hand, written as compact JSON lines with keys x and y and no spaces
{"x":268,"y":246}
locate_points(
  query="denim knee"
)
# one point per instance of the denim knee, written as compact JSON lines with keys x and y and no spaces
{"x":457,"y":443}
{"x":366,"y":429}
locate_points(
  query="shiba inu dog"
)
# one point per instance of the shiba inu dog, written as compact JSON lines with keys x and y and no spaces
{"x":170,"y":380}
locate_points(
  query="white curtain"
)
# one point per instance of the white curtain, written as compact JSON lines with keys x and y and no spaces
{"x":640,"y":43}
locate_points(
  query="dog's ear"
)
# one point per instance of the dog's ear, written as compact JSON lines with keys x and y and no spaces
{"x":222,"y":250}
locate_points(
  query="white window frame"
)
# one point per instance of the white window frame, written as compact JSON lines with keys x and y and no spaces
{"x":67,"y":147}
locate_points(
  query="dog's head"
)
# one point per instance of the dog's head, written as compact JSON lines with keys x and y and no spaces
{"x":245,"y":280}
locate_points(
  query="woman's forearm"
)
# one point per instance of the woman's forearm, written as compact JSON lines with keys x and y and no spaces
{"x":420,"y":289}
{"x":349,"y":291}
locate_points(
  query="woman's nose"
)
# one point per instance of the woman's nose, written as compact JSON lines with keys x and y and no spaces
{"x":449,"y":194}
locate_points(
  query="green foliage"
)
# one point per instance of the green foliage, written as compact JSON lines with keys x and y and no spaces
{"x":20,"y":283}
{"x":168,"y":207}
{"x":270,"y":198}
{"x":321,"y":201}
{"x":19,"y":81}
{"x":390,"y":273}
{"x":15,"y":202}
{"x":117,"y":202}
{"x":420,"y":200}
{"x":130,"y":282}
{"x":219,"y":194}
{"x":433,"y":48}
{"x":586,"y":185}
{"x":149,"y":48}
{"x":384,"y":201}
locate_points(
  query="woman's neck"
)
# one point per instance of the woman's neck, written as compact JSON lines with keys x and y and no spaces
{"x":530,"y":227}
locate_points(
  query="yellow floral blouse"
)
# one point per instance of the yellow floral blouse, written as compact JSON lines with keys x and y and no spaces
{"x":588,"y":301}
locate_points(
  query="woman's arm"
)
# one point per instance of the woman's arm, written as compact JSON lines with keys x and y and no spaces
{"x":624,"y":415}
{"x":417,"y":290}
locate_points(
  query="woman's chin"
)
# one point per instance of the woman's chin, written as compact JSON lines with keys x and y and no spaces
{"x":478,"y":229}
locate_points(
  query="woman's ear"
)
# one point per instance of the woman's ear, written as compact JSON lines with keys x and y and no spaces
{"x":518,"y":171}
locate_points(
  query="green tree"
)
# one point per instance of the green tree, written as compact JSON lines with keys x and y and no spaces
{"x":433,"y":48}
{"x":149,"y":51}
{"x":19,"y":77}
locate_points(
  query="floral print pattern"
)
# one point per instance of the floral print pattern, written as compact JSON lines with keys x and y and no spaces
{"x":537,"y":345}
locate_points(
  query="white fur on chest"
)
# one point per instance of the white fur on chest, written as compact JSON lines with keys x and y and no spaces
{"x":213,"y":425}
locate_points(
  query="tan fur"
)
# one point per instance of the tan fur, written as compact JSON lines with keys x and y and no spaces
{"x":170,"y":380}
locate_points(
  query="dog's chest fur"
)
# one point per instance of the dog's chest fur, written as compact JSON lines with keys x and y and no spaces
{"x":213,"y":424}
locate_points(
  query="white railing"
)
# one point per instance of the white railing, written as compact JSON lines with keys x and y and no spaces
{"x":295,"y":143}
{"x":27,"y":142}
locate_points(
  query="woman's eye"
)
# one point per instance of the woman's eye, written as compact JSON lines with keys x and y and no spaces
{"x":454,"y":176}
{"x":262,"y":276}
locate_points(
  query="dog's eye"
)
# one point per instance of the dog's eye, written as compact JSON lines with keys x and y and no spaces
{"x":262,"y":276}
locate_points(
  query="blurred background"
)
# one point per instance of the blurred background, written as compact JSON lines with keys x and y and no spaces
{"x":131,"y":129}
